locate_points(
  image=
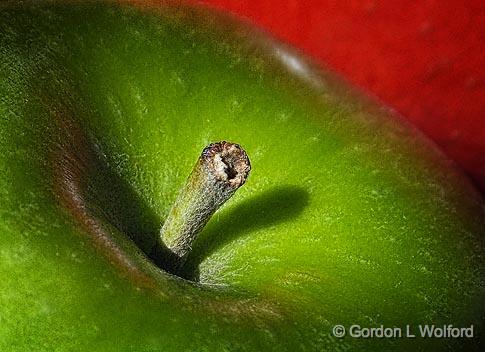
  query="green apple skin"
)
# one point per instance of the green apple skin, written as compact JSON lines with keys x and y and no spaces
{"x":349,"y":216}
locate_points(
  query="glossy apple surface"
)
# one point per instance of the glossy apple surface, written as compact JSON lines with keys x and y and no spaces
{"x":349,"y":216}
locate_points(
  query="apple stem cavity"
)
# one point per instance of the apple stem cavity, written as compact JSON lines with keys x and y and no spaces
{"x":221,"y":169}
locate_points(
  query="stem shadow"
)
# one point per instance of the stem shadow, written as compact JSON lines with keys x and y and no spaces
{"x":275,"y":206}
{"x":116,"y":200}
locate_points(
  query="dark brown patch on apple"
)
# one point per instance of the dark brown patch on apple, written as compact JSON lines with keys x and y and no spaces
{"x":73,"y":159}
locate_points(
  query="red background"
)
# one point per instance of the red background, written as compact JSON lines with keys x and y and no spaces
{"x":424,"y":58}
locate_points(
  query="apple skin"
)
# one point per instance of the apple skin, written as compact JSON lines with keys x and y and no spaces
{"x":350,"y":216}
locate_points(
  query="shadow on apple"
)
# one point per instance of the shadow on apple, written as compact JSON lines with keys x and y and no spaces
{"x":125,"y":209}
{"x":118,"y":202}
{"x":106,"y":195}
{"x":272,"y":207}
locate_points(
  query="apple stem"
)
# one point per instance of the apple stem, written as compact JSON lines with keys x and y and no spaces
{"x":221,"y":169}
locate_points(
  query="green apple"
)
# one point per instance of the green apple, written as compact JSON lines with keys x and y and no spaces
{"x":349,"y":216}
